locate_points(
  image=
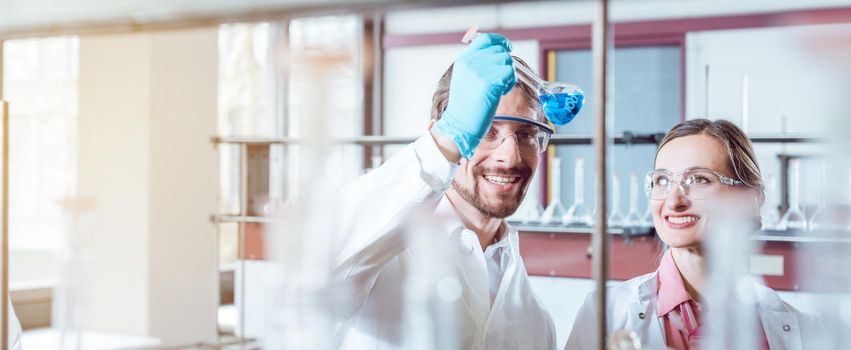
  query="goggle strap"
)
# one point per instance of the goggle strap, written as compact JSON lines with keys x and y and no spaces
{"x":543,"y":126}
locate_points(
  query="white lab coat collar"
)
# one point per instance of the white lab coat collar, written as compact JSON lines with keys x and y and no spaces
{"x":632,"y":305}
{"x":452,"y":224}
{"x":778,"y":320}
{"x":471,"y":254}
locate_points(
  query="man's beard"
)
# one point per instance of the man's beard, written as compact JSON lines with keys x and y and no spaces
{"x":472,"y":195}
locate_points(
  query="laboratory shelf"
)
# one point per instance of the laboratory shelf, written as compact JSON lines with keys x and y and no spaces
{"x":581,"y":230}
{"x":247,"y":219}
{"x":798,"y":236}
{"x":359,"y":140}
{"x":625,"y":138}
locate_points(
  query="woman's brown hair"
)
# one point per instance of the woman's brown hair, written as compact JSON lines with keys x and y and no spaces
{"x":741,"y":158}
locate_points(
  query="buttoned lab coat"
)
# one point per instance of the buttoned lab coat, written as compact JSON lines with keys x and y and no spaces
{"x":375,"y":258}
{"x":632,"y":306}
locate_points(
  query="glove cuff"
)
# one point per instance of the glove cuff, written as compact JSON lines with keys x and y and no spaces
{"x":465,"y":141}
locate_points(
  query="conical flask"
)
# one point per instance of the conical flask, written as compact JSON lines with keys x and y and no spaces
{"x":555,"y":210}
{"x":820,"y":218}
{"x":794,"y":218}
{"x":616,"y":219}
{"x":633,"y":217}
{"x":578,"y":214}
{"x":769,"y":213}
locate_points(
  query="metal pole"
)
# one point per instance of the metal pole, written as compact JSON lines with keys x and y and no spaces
{"x":1,"y":68}
{"x":241,"y":255}
{"x":599,"y":239}
{"x":4,"y":242}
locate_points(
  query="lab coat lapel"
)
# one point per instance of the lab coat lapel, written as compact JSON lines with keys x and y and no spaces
{"x":781,"y":329}
{"x":510,"y":268}
{"x":781,"y":326}
{"x":470,"y":262}
{"x":473,"y":271}
{"x":642,"y":315}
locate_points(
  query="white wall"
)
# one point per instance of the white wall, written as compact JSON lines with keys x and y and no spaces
{"x":113,"y":163}
{"x":791,"y":81}
{"x":411,"y":75}
{"x":147,"y":112}
{"x":786,"y":77}
{"x":183,"y":259}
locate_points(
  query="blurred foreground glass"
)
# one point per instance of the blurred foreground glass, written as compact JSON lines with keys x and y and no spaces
{"x":730,"y":316}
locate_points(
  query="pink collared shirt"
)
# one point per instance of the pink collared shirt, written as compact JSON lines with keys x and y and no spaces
{"x":679,"y":312}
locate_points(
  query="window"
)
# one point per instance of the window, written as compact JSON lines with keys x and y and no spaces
{"x":40,"y":82}
{"x":647,"y":90}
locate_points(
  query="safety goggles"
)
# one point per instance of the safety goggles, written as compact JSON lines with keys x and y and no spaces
{"x":532,"y":136}
{"x":697,"y":183}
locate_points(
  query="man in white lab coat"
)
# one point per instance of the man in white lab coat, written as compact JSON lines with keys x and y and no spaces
{"x":470,"y":171}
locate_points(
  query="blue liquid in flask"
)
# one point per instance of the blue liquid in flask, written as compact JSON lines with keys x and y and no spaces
{"x":560,"y":108}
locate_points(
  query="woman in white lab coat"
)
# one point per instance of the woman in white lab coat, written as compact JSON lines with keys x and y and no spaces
{"x":697,"y":163}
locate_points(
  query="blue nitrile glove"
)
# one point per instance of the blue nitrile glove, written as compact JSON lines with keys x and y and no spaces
{"x":480,"y":76}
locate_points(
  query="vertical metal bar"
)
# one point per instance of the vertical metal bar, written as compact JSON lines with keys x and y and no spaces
{"x":600,"y":45}
{"x":4,"y":285}
{"x":371,"y":75}
{"x":282,"y":57}
{"x":367,"y":66}
{"x":546,"y":178}
{"x":4,"y":242}
{"x":1,"y":68}
{"x":784,"y":182}
{"x":377,"y":81}
{"x":243,"y":211}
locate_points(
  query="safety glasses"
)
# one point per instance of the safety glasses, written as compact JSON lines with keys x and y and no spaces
{"x":697,"y":183}
{"x":532,"y":136}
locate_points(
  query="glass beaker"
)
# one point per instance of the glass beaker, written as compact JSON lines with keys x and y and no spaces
{"x":578,"y":213}
{"x":555,"y":210}
{"x":794,"y":218}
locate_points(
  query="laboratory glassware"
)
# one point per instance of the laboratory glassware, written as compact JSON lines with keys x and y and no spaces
{"x":616,"y":219}
{"x":794,"y":218}
{"x":647,"y":218}
{"x":633,"y":217}
{"x":532,"y":214}
{"x":818,"y":220}
{"x":769,"y":213}
{"x":731,"y":321}
{"x":561,"y":102}
{"x":578,"y":213}
{"x":555,"y":210}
